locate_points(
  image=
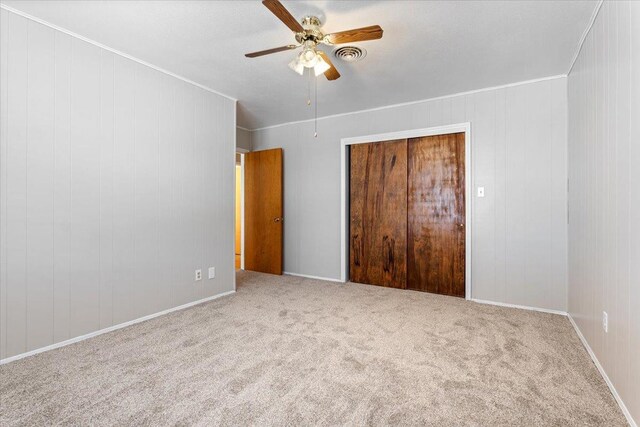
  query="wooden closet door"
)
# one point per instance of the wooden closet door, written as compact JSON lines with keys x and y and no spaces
{"x":378,"y":205}
{"x":436,"y":215}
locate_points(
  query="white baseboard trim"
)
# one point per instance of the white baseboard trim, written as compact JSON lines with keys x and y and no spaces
{"x":522,"y":307}
{"x":613,"y":390}
{"x":111,"y":328}
{"x":327,"y":279}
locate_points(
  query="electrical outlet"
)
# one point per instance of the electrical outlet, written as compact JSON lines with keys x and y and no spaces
{"x":605,"y":322}
{"x":198,"y":275}
{"x":212,"y":272}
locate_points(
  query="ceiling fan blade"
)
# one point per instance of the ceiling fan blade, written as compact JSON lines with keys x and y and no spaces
{"x":373,"y":32}
{"x":331,"y":73}
{"x":283,"y":14}
{"x":269,"y":51}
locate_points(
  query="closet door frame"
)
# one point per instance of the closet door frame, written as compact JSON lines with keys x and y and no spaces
{"x":407,"y":134}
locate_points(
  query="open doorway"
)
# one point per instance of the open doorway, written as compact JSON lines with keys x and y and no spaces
{"x":239,"y":211}
{"x":259,"y":211}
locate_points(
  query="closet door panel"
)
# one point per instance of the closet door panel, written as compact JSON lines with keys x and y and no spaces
{"x":378,"y":205}
{"x":436,"y":214}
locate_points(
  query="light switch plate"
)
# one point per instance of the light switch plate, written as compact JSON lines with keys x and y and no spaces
{"x":480,"y":191}
{"x":212,"y":272}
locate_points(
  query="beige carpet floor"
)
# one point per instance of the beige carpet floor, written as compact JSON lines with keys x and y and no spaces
{"x":293,"y":351}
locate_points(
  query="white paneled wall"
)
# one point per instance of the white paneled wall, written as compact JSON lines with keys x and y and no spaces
{"x":519,"y":232}
{"x":604,"y":198}
{"x":116,"y":184}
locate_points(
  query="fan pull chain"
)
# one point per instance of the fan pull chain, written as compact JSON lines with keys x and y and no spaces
{"x":309,"y":87}
{"x":315,"y":122}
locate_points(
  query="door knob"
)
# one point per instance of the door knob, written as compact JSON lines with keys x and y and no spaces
{"x":278,"y":219}
{"x":461,"y":225}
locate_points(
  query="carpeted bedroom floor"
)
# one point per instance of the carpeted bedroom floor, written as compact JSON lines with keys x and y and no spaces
{"x":293,"y":351}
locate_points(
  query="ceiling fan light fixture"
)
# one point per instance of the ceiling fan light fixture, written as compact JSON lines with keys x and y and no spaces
{"x":321,"y":66}
{"x":296,"y":66}
{"x":308,"y":58}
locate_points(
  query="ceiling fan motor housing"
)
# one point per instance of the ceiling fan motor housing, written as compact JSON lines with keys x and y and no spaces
{"x":311,"y":25}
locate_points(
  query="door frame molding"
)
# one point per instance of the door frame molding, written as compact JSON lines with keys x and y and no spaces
{"x":406,"y":134}
{"x":240,"y":151}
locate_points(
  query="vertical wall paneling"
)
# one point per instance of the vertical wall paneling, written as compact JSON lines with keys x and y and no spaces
{"x":106,"y":187}
{"x":4,"y":75}
{"x":146,"y":188}
{"x":634,"y":210}
{"x":62,"y":187}
{"x":85,"y":189}
{"x":123,"y":190}
{"x":40,"y":173}
{"x":518,"y":155}
{"x":114,"y":188}
{"x":190,"y":193}
{"x":484,"y":170}
{"x":16,"y":185}
{"x":499,"y":214}
{"x":516,"y":196}
{"x":166,"y":191}
{"x":558,"y":214}
{"x":604,"y":202}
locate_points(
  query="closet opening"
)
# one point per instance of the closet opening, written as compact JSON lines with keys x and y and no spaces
{"x":406,"y":210}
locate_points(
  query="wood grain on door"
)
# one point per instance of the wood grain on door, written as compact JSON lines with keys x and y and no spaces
{"x":263,"y":211}
{"x":436,"y":214}
{"x":378,"y":206}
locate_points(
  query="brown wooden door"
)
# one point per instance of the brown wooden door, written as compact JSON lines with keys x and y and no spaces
{"x":436,"y":214}
{"x":263,"y":211}
{"x":378,"y":212}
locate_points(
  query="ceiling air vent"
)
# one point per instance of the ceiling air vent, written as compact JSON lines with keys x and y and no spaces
{"x":350,"y":53}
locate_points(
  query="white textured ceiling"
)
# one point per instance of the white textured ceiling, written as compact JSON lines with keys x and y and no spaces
{"x":429,"y":48}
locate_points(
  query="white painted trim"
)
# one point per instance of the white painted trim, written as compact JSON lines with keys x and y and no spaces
{"x":596,"y":362}
{"x":415,"y":133}
{"x":521,"y":307}
{"x":117,"y":52}
{"x":112,"y":328}
{"x":326,"y":279}
{"x":235,"y":144}
{"x":594,"y":15}
{"x":242,"y":212}
{"x":243,"y":128}
{"x":420,"y":101}
{"x":241,"y":150}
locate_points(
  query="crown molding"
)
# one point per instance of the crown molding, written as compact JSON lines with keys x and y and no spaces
{"x":587,"y":30}
{"x":404,"y":104}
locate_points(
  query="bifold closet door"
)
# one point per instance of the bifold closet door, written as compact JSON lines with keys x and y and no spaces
{"x":436,"y":214}
{"x":378,"y":212}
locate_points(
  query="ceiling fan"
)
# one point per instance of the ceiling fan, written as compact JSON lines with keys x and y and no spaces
{"x":308,"y":35}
